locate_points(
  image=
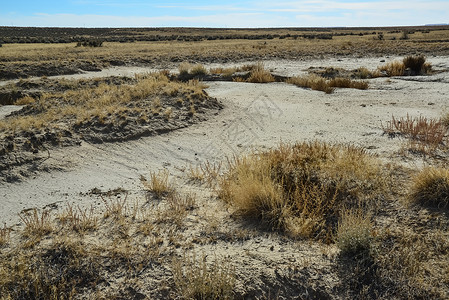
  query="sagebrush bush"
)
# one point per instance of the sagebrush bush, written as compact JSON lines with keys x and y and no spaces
{"x":431,"y":187}
{"x":300,"y":189}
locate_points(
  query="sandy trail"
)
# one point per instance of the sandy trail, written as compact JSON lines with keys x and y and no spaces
{"x":256,"y":116}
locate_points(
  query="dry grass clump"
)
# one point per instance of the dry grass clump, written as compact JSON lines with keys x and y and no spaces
{"x":301,"y":188}
{"x":423,"y":132}
{"x":78,"y":219}
{"x":395,"y":68}
{"x":260,"y":75}
{"x":36,"y":224}
{"x":431,"y":187}
{"x":314,"y":82}
{"x":101,"y":256}
{"x":410,"y":65}
{"x":415,"y":263}
{"x":198,"y":70}
{"x":187,"y":71}
{"x":158,"y":184}
{"x":195,"y":279}
{"x":319,"y":83}
{"x":354,"y":232}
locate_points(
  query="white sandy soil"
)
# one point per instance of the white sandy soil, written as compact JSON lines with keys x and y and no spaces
{"x":255,"y":116}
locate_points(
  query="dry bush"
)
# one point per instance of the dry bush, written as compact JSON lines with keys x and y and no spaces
{"x":355,"y":232}
{"x":301,"y":188}
{"x":116,"y":208}
{"x":260,"y":75}
{"x":314,"y":82}
{"x":363,"y":73}
{"x":198,"y":70}
{"x":395,"y":68}
{"x":431,"y":187}
{"x":227,"y":72}
{"x":159,"y":183}
{"x":36,"y":224}
{"x":195,"y":279}
{"x":417,"y":64}
{"x":348,"y":83}
{"x":429,"y":133}
{"x":410,"y":65}
{"x":184,"y":68}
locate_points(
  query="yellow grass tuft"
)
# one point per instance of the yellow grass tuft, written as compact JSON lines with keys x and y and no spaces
{"x":395,"y":68}
{"x":424,"y":133}
{"x":314,"y":82}
{"x":159,"y":183}
{"x":300,"y":188}
{"x":431,"y":187}
{"x":260,"y":75}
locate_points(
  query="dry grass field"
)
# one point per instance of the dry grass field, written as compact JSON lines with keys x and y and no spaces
{"x":145,"y":209}
{"x":31,"y":59}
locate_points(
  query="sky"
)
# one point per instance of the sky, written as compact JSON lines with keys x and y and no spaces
{"x":229,"y":14}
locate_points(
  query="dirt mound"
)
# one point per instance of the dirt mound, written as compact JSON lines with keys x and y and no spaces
{"x":61,"y":117}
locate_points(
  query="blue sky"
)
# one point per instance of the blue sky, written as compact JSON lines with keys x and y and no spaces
{"x":139,"y":13}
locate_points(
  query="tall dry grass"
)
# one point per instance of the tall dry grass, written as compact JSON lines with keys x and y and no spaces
{"x":425,"y":133}
{"x":300,"y":189}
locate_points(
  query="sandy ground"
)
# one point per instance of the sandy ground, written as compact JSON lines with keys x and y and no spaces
{"x":256,"y":116}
